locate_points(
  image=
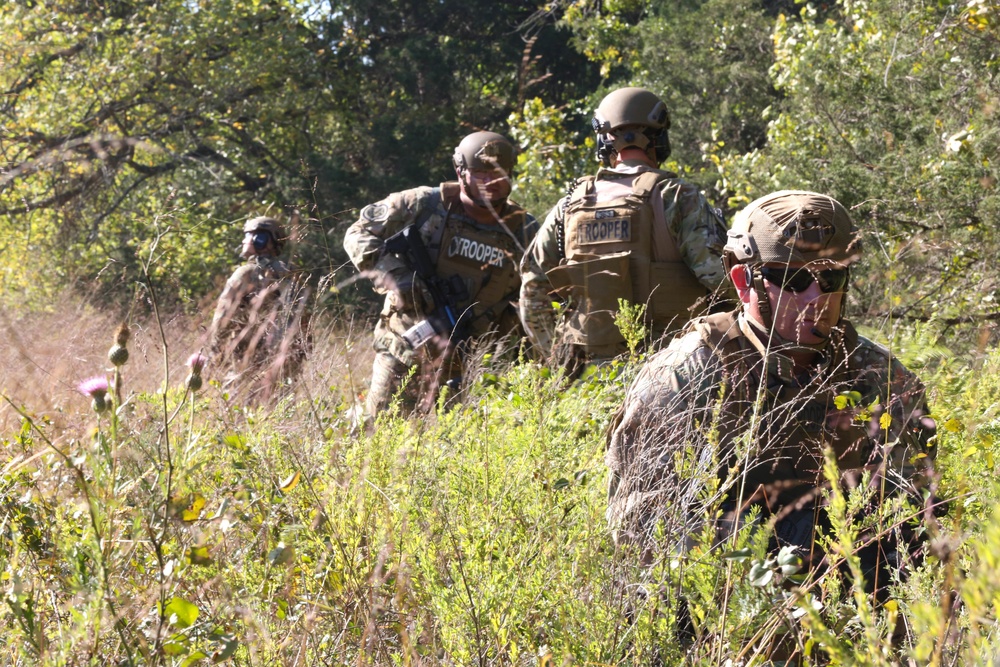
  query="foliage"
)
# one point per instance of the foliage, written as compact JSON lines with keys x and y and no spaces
{"x":116,"y":112}
{"x":891,"y":107}
{"x":184,"y":528}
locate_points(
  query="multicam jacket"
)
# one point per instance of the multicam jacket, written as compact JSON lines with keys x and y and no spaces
{"x":712,"y":417}
{"x":260,"y":318}
{"x":484,"y":256}
{"x":695,"y":234}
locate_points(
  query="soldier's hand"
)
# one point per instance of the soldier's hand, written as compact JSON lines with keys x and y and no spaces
{"x":407,"y":291}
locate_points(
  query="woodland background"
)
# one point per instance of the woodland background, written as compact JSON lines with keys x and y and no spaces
{"x":136,"y":137}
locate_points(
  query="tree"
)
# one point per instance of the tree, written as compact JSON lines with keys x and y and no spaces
{"x":892,"y":107}
{"x":130,"y":126}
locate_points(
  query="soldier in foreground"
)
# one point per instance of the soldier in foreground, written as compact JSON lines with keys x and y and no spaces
{"x":752,"y":399}
{"x":259,"y":334}
{"x":632,"y":232}
{"x":446,"y":257}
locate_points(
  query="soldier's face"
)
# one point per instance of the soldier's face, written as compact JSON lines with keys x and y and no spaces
{"x":256,"y":243}
{"x":488,"y":184}
{"x":804,"y":314}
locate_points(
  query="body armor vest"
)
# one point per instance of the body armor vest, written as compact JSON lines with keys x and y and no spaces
{"x":618,"y":246}
{"x":484,"y":257}
{"x":785,"y":459}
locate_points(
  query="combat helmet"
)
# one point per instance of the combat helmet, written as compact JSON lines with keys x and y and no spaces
{"x":790,"y":226}
{"x":793,"y":226}
{"x":269,"y":225}
{"x":631,"y":108}
{"x":485,"y":150}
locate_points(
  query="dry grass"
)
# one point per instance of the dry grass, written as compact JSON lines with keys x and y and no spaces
{"x":47,"y":354}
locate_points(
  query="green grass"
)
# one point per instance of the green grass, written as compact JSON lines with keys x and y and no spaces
{"x":188,"y":530}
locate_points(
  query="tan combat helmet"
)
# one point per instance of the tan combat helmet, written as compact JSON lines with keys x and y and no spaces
{"x":790,"y":226}
{"x":640,"y":116}
{"x":485,"y":150}
{"x":269,"y":225}
{"x":793,"y":226}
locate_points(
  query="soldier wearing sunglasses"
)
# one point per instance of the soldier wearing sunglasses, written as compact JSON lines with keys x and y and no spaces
{"x":258,"y":336}
{"x":734,"y":419}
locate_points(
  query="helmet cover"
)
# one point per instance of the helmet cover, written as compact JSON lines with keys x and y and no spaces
{"x":793,"y":226}
{"x":642,"y":117}
{"x":486,"y":151}
{"x":269,"y":225}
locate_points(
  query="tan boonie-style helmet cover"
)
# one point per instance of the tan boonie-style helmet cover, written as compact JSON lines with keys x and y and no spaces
{"x":626,"y":108}
{"x":793,"y":226}
{"x":270,"y":225}
{"x":485,"y":150}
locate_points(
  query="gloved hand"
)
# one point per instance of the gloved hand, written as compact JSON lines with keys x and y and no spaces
{"x":407,"y":291}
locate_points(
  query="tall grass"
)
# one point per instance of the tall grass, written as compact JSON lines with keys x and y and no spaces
{"x":189,"y":529}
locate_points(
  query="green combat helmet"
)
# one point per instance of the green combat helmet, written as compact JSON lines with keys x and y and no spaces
{"x":790,"y":226}
{"x":269,"y":225}
{"x":485,"y":150}
{"x":642,"y":118}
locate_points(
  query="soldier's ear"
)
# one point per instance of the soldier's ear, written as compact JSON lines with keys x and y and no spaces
{"x":742,"y":278}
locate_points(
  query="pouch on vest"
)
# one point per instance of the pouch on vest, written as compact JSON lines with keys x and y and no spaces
{"x":674,"y":294}
{"x":594,"y":284}
{"x":623,"y":213}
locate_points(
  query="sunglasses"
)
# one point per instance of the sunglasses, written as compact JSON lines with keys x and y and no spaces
{"x":799,"y":279}
{"x":260,"y":239}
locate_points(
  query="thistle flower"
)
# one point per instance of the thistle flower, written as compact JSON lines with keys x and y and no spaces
{"x":97,"y":388}
{"x":196,"y":362}
{"x":118,"y":354}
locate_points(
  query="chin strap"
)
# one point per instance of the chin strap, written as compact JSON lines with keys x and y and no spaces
{"x":763,"y":302}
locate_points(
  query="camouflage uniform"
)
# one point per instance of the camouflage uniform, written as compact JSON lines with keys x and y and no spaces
{"x":696,"y":232}
{"x":738,"y":413}
{"x":485,"y":255}
{"x":699,"y":398}
{"x":259,"y":332}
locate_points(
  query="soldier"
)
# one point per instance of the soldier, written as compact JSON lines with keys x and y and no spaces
{"x":446,"y":257}
{"x":259,"y":332}
{"x":749,"y":401}
{"x":631,"y":232}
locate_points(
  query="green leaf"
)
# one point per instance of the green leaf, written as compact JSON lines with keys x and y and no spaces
{"x":281,"y":554}
{"x":181,"y":613}
{"x":229,"y":646}
{"x":193,"y":658}
{"x":174,"y":648}
{"x":738,"y":555}
{"x":199,"y":556}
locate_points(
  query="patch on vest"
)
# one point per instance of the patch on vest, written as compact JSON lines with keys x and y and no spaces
{"x":605,"y":230}
{"x":476,"y":251}
{"x":375,"y":212}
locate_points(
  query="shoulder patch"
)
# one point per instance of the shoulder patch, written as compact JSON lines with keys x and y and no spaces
{"x":375,"y":212}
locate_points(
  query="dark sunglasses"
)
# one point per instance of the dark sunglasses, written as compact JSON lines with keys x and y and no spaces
{"x":260,"y":239}
{"x":799,"y":279}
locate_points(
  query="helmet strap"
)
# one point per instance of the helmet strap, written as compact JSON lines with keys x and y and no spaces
{"x":763,"y":302}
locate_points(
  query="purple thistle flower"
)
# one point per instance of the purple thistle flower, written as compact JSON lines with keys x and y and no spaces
{"x":97,"y":388}
{"x":94,"y":387}
{"x":196,"y":361}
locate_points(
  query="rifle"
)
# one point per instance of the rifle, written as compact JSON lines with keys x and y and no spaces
{"x":447,"y":319}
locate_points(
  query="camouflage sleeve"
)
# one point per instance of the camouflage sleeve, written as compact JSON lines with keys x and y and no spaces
{"x":900,"y":427}
{"x":535,"y":303}
{"x":379,"y":221}
{"x":660,"y":453}
{"x":226,"y":308}
{"x":699,"y":229}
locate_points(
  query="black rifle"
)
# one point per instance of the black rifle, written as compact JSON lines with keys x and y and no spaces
{"x":447,"y":319}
